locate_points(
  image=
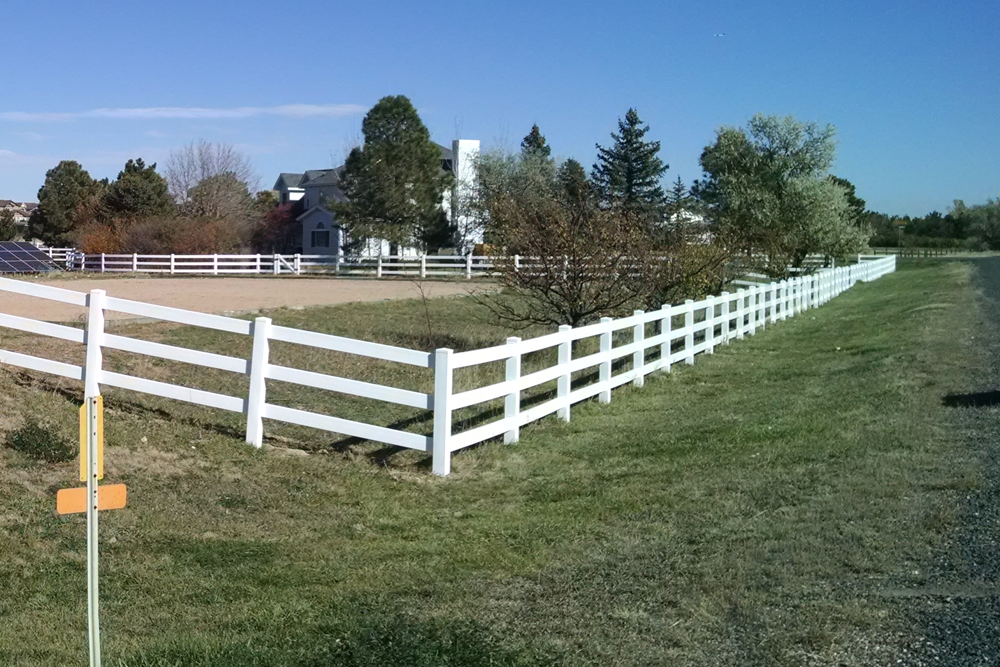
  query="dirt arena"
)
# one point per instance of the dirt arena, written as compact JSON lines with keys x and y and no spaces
{"x":223,"y":294}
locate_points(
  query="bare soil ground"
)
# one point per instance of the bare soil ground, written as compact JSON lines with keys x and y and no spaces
{"x":224,"y":294}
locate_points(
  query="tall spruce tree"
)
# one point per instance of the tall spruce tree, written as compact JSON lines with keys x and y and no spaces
{"x":628,"y":173}
{"x":534,"y":145}
{"x":394,"y":183}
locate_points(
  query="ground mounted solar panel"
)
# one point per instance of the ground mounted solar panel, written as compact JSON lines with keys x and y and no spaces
{"x":21,"y":257}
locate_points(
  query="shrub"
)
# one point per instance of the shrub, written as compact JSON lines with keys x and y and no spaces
{"x":40,"y":442}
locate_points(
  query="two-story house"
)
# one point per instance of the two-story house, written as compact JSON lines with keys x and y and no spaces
{"x":321,"y":234}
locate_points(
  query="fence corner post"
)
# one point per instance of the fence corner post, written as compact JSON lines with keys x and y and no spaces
{"x":639,"y":356}
{"x":257,"y":396}
{"x":512,"y":402}
{"x":443,"y":384}
{"x":563,"y":384}
{"x":666,"y":324}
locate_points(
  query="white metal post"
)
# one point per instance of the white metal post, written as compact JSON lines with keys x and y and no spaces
{"x":639,"y":356}
{"x":689,"y":331}
{"x":604,"y":370}
{"x":257,"y":396}
{"x":92,"y":389}
{"x":512,"y":402}
{"x":725,"y":317}
{"x":665,"y":330}
{"x":443,"y":384}
{"x":563,"y":383}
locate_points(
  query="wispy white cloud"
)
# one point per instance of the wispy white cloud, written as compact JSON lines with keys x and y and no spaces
{"x":196,"y":113}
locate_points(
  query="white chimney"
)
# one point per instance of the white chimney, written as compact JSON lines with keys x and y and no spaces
{"x":465,"y":156}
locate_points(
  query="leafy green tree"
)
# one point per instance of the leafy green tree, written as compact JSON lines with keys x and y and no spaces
{"x":534,"y":144}
{"x":68,"y":188}
{"x":394,"y":183}
{"x":768,"y":189}
{"x":628,"y":173}
{"x":8,"y":228}
{"x":138,"y":192}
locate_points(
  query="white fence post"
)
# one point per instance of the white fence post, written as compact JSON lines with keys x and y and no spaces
{"x":689,"y":331}
{"x":443,"y":384}
{"x":94,"y":339}
{"x":257,"y":266}
{"x":563,"y":383}
{"x":665,"y":330}
{"x":774,"y":302}
{"x":102,"y":262}
{"x":173,"y":264}
{"x":215,"y":264}
{"x":741,"y":311}
{"x":512,"y":402}
{"x":276,"y":264}
{"x":468,"y":266}
{"x":378,"y":267}
{"x":257,"y":396}
{"x":604,"y":370}
{"x":423,"y":266}
{"x":710,"y":324}
{"x":135,"y":262}
{"x":725,"y":317}
{"x":639,"y":356}
{"x":517,"y":263}
{"x":298,"y":264}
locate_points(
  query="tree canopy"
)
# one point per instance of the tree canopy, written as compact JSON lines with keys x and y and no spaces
{"x":137,"y":192}
{"x":628,"y":173}
{"x":394,"y":183}
{"x":768,"y":189}
{"x":67,"y":188}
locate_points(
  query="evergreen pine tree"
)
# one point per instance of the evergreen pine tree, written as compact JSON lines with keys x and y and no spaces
{"x":534,"y":145}
{"x":67,"y":188}
{"x":628,"y":173}
{"x":394,"y":183}
{"x":138,"y":192}
{"x":677,"y":199}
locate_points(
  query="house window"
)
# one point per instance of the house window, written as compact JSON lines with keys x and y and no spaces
{"x":320,"y":237}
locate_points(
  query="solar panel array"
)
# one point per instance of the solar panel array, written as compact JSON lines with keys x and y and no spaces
{"x":21,"y":257}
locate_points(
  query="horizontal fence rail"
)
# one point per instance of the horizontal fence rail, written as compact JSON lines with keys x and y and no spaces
{"x":590,"y":361}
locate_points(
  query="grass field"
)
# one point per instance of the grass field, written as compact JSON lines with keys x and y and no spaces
{"x":746,"y":511}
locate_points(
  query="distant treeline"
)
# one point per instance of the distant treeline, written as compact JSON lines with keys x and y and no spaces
{"x":966,"y":227}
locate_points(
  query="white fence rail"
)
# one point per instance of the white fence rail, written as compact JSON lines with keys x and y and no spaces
{"x":644,"y":342}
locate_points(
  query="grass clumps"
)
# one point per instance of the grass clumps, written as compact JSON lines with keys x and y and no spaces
{"x":40,"y":442}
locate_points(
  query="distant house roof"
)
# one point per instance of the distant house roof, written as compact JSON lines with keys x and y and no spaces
{"x":318,"y":209}
{"x":31,"y":206}
{"x":288,"y":180}
{"x":7,"y":203}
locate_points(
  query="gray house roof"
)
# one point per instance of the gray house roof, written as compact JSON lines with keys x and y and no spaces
{"x":289,"y":180}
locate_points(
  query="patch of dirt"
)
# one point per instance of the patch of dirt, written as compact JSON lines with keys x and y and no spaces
{"x":224,"y":294}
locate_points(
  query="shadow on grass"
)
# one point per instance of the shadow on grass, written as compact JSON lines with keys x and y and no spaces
{"x":982,"y":399}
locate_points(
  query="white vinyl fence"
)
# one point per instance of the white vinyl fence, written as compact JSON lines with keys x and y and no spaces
{"x":634,"y":346}
{"x":422,"y":266}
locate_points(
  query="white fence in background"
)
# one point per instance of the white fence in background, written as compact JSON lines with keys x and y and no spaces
{"x":653,"y":341}
{"x":422,"y":266}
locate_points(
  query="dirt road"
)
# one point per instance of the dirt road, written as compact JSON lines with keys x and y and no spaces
{"x":223,"y":295}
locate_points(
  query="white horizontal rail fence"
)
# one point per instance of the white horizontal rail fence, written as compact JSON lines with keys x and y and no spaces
{"x":653,"y":341}
{"x":258,"y":367}
{"x":415,"y":266}
{"x":679,"y":333}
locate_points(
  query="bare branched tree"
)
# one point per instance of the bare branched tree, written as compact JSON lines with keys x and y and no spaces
{"x":188,"y":166}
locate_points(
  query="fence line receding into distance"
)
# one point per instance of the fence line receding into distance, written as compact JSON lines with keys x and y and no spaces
{"x":628,"y":349}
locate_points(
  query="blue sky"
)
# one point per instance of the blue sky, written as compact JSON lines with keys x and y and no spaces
{"x":912,"y":87}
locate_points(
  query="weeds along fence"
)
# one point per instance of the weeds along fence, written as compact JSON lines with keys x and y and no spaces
{"x":499,"y":389}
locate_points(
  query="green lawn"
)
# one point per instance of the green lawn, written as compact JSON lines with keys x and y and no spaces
{"x":743,"y":511}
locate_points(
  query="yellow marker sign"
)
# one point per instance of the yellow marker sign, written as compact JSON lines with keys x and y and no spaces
{"x":73,"y":501}
{"x":99,"y":426}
